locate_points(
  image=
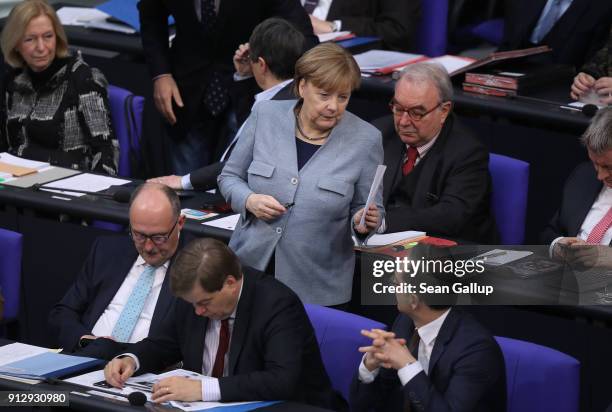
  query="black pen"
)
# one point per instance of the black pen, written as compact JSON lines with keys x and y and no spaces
{"x":288,"y":205}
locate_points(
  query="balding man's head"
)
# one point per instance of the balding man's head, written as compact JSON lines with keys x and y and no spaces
{"x":155,"y":222}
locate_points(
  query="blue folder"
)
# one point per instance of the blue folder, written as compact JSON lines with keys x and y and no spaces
{"x":48,"y":365}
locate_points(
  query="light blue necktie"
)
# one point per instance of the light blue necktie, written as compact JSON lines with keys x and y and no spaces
{"x":131,"y":311}
{"x":546,"y":22}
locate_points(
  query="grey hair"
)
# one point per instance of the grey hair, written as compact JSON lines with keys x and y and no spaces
{"x":429,"y":72}
{"x":598,"y":136}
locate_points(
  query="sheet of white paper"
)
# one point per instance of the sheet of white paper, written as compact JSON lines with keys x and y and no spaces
{"x":498,"y":257}
{"x":228,"y":222}
{"x":380,"y":172}
{"x":377,"y":59}
{"x":80,"y":16}
{"x":17,"y":351}
{"x":18,"y":161}
{"x":451,"y":63}
{"x":85,"y":181}
{"x":388,"y":238}
{"x":88,"y":380}
{"x":331,"y":36}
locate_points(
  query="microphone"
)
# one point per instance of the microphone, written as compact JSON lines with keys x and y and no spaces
{"x":135,"y":398}
{"x":122,"y":195}
{"x":589,"y":110}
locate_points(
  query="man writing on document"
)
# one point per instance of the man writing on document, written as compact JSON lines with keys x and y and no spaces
{"x":437,"y":177}
{"x":247,"y":333}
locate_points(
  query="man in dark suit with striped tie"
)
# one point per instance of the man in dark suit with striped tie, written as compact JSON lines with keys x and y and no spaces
{"x":581,"y":230}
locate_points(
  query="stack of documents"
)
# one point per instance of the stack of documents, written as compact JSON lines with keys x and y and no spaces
{"x":391,"y":238}
{"x":18,"y":360}
{"x":383,"y":62}
{"x":16,"y":166}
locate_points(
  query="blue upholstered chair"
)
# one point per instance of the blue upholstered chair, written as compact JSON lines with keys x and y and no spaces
{"x":126,"y":116}
{"x":432,"y":33}
{"x":539,"y":378}
{"x":510,"y":179}
{"x":339,"y":337}
{"x":10,"y":272}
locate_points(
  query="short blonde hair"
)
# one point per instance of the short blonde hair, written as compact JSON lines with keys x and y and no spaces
{"x":329,"y":67}
{"x":18,"y":21}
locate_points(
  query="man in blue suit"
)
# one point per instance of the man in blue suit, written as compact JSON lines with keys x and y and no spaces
{"x":451,"y":363}
{"x":122,"y":292}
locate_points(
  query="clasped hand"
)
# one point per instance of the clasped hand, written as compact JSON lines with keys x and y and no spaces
{"x":581,"y":255}
{"x":386,"y":350}
{"x":372,"y":220}
{"x":264,"y":207}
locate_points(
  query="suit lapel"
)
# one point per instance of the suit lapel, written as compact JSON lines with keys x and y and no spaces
{"x":444,"y":336}
{"x":565,"y":26}
{"x":241,"y":323}
{"x":394,"y":159}
{"x":107,"y":291}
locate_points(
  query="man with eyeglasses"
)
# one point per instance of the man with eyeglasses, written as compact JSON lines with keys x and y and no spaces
{"x":437,"y":177}
{"x":122,"y":292}
{"x":245,"y":332}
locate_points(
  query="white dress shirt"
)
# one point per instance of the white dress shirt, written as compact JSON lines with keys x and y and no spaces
{"x":105,"y":324}
{"x":423,"y":149}
{"x":598,"y":210}
{"x":428,"y":334}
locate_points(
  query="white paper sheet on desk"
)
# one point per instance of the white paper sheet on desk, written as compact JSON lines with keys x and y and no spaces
{"x":88,"y":380}
{"x":85,"y":181}
{"x":79,"y":16}
{"x":20,"y":161}
{"x":378,"y":176}
{"x":377,"y":59}
{"x":331,"y":36}
{"x":228,"y":222}
{"x":17,"y":351}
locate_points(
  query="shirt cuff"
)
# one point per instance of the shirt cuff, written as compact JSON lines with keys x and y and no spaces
{"x":211,"y":392}
{"x":186,"y":182}
{"x":338,"y":24}
{"x":159,"y":76}
{"x":408,"y":372}
{"x":552,"y":246}
{"x":366,"y":376}
{"x":238,"y":77}
{"x":131,"y":355}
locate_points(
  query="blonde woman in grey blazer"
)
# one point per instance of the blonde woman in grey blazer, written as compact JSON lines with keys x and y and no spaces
{"x":300,"y":176}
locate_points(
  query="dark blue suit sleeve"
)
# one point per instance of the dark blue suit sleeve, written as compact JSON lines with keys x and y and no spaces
{"x":66,"y":317}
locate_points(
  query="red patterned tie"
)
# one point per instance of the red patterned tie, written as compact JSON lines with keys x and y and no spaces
{"x":410,"y":160}
{"x":600,"y":229}
{"x":224,"y":338}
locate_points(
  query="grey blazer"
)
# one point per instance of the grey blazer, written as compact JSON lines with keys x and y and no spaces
{"x":312,"y":241}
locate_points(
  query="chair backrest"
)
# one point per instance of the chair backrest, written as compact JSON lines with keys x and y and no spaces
{"x":339,"y":337}
{"x":126,"y":117}
{"x":432,"y":32}
{"x":11,"y":244}
{"x":539,"y":378}
{"x":510,"y":179}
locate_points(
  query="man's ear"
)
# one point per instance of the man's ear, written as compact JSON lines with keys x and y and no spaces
{"x":263,"y":66}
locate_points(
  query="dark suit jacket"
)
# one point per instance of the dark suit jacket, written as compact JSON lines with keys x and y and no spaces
{"x":273,"y":351}
{"x":194,"y":54}
{"x":578,"y":34}
{"x":452,"y":197}
{"x":109,"y":262}
{"x":580,"y":191}
{"x":205,"y":178}
{"x":466,"y":373}
{"x":394,"y":21}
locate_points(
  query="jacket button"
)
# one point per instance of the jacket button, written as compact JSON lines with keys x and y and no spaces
{"x":294,"y":180}
{"x":279,"y":230}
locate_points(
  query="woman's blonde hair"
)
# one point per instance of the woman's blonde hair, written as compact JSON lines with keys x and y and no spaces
{"x":329,"y":67}
{"x":16,"y":25}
